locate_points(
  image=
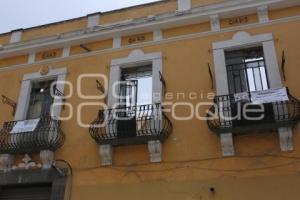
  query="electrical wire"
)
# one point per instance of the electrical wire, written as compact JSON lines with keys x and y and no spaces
{"x":187,"y":164}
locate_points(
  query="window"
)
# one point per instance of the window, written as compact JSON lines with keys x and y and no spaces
{"x":246,"y":70}
{"x":135,"y":94}
{"x":136,"y":89}
{"x":40,"y":100}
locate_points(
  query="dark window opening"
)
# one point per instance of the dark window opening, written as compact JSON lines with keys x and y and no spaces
{"x":135,"y":93}
{"x":26,"y":192}
{"x":137,"y":87}
{"x":40,"y":100}
{"x":246,"y":70}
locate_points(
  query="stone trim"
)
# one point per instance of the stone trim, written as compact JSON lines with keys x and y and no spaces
{"x":6,"y":162}
{"x":117,"y":42}
{"x":183,"y":5}
{"x":155,"y":151}
{"x":28,"y":177}
{"x":227,"y":144}
{"x":16,"y":36}
{"x":31,"y":58}
{"x":157,"y":35}
{"x":164,"y":41}
{"x":59,"y":74}
{"x":93,"y":20}
{"x":244,"y":39}
{"x":263,"y":14}
{"x":106,"y":154}
{"x":168,"y":20}
{"x":66,"y":51}
{"x":135,"y":59}
{"x":47,"y":158}
{"x":215,"y":23}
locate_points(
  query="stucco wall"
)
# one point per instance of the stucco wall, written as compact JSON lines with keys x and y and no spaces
{"x":192,"y":161}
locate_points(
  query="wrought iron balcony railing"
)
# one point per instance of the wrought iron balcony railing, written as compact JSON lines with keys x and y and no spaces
{"x":131,"y":125}
{"x":229,"y":116}
{"x":46,"y":136}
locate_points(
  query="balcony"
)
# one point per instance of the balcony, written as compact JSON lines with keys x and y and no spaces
{"x":47,"y":135}
{"x":225,"y":117}
{"x":131,"y":125}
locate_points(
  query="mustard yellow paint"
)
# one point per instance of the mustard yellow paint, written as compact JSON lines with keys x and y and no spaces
{"x":128,"y":40}
{"x":4,"y":39}
{"x":95,"y":46}
{"x":195,"y":28}
{"x":139,"y":12}
{"x":13,"y":61}
{"x":205,"y":2}
{"x":52,"y":30}
{"x":281,"y":13}
{"x":192,"y":161}
{"x":41,"y":55}
{"x":251,"y":19}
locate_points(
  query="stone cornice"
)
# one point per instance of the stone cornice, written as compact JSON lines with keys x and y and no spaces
{"x":169,"y":20}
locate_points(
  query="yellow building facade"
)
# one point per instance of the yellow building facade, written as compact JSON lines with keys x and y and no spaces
{"x":167,"y":78}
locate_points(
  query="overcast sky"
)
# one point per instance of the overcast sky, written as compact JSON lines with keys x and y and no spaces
{"x":17,"y":14}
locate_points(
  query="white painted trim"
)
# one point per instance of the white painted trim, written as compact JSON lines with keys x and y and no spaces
{"x":136,"y":58}
{"x":93,"y":20}
{"x":117,"y":42}
{"x":31,"y":58}
{"x":244,"y":39}
{"x":286,"y":139}
{"x":183,"y":5}
{"x":24,"y":97}
{"x":197,"y":15}
{"x":106,"y":154}
{"x":157,"y":35}
{"x":272,"y":66}
{"x":66,"y":51}
{"x":150,"y":43}
{"x":215,"y":23}
{"x":220,"y":72}
{"x":227,"y":144}
{"x":155,"y":151}
{"x":263,"y":14}
{"x":16,"y":36}
{"x":241,"y":39}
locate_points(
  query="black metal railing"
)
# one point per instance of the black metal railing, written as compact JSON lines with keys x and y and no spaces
{"x":46,"y":136}
{"x":228,"y":116}
{"x":131,"y":125}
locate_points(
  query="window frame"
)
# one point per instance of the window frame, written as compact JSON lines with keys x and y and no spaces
{"x":29,"y":177}
{"x":245,"y":40}
{"x":137,"y":58}
{"x":245,"y":69}
{"x":28,"y":79}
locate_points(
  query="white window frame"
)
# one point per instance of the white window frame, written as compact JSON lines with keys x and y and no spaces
{"x":28,"y":79}
{"x":135,"y":59}
{"x":243,"y":40}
